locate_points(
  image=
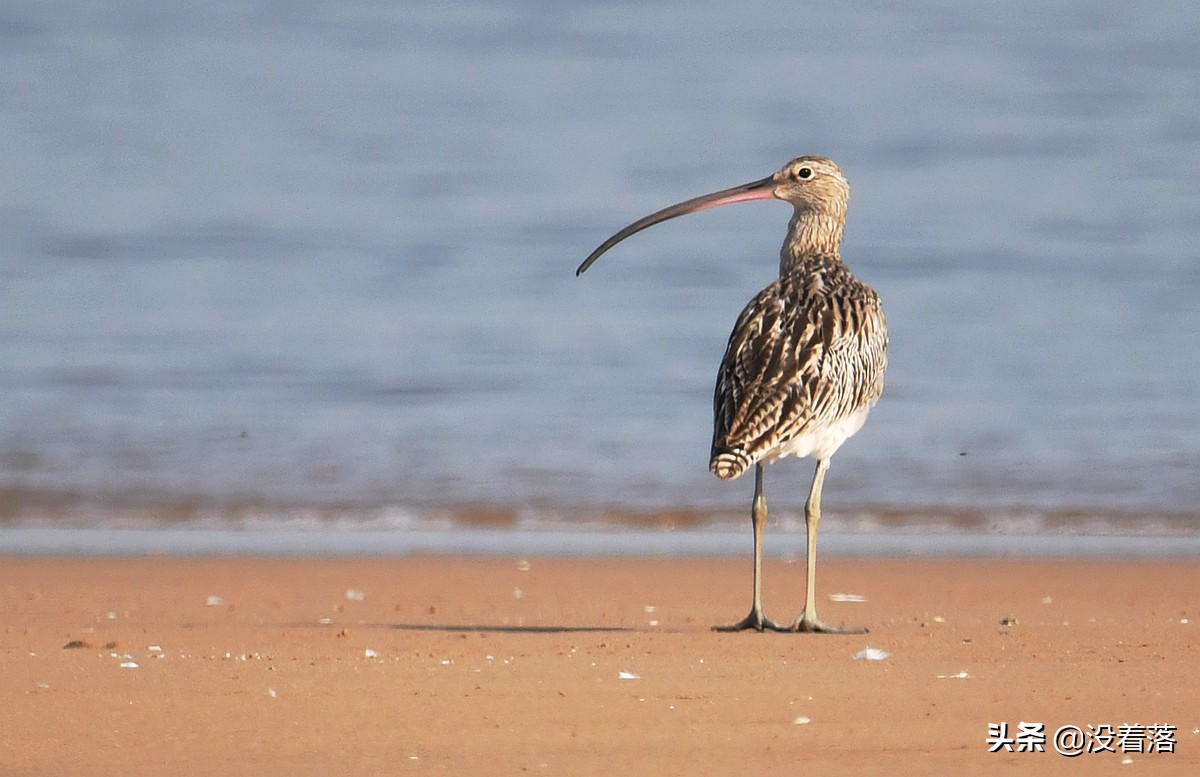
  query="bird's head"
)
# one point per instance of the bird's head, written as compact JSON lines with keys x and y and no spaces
{"x":814,"y":184}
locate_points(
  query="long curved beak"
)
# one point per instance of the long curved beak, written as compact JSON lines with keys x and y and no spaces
{"x":755,"y":190}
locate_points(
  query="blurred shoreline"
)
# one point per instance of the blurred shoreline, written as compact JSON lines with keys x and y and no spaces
{"x":319,"y":532}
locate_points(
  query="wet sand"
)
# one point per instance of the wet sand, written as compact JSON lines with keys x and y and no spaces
{"x":483,"y":666}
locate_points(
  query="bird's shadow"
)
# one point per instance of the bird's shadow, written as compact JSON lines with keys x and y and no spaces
{"x":485,"y":628}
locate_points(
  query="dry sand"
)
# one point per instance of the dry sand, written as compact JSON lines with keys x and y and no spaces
{"x":485,"y":666}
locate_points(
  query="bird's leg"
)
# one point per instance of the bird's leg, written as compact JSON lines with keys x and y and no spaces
{"x":808,"y":622}
{"x":758,"y":514}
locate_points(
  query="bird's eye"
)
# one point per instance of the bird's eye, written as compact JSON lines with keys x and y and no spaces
{"x":804,"y":173}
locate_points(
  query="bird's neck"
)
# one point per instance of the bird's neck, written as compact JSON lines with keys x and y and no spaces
{"x":809,"y":234}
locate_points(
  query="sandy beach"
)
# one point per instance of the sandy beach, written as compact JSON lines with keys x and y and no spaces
{"x":566,"y":666}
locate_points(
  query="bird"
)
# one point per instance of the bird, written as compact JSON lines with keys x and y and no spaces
{"x":804,"y":364}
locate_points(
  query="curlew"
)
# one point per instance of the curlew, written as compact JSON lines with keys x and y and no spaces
{"x":805,"y":362}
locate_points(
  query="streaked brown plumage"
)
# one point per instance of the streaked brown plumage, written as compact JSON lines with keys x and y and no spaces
{"x":806,"y":358}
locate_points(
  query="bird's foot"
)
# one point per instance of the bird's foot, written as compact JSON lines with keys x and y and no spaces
{"x":754,"y":620}
{"x":807,"y":625}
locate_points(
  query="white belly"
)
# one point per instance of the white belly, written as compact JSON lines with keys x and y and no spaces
{"x":822,"y":441}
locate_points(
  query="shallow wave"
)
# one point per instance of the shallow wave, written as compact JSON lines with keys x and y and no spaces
{"x":22,"y":509}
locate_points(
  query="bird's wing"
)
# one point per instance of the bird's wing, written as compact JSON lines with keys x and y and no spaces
{"x":774,"y":352}
{"x":803,"y":350}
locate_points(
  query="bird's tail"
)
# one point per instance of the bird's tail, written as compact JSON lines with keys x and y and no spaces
{"x":728,"y":463}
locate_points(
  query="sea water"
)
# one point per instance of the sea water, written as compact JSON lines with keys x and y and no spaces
{"x":270,"y":264}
